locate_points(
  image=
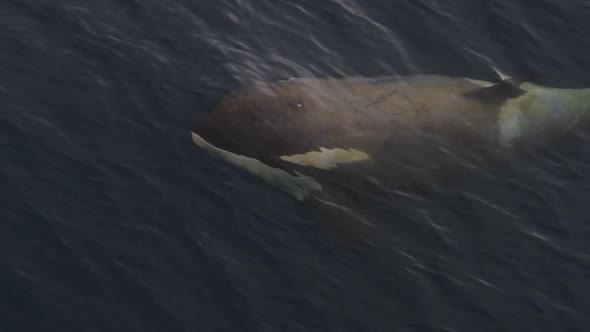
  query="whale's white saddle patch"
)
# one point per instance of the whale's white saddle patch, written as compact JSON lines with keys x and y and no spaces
{"x":327,"y":159}
{"x":539,"y":112}
{"x":298,"y":186}
{"x":509,"y":125}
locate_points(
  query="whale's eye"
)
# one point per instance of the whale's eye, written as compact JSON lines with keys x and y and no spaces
{"x":296,"y":105}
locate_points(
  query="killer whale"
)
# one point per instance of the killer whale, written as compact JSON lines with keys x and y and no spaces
{"x":323,"y":141}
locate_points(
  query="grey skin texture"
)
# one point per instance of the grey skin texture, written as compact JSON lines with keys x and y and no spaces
{"x":331,"y":142}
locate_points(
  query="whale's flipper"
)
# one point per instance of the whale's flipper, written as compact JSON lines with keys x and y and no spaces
{"x":505,"y":89}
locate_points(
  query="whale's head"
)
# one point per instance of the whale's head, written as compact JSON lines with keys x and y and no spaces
{"x":542,"y":113}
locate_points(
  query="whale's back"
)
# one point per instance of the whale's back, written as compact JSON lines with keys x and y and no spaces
{"x":301,"y":115}
{"x":406,"y":126}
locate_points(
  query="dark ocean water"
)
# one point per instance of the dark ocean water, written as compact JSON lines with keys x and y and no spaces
{"x":112,"y":220}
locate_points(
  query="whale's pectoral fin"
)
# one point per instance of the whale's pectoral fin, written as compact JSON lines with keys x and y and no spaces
{"x":505,"y":89}
{"x":341,"y":221}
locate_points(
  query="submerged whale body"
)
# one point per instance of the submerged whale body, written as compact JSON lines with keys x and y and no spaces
{"x":325,"y":141}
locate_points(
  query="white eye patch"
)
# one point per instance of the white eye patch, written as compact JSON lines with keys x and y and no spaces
{"x":327,"y":159}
